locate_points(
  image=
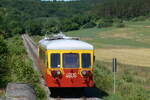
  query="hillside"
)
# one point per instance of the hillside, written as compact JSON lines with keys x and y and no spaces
{"x":130,"y":44}
{"x":133,"y":35}
{"x":37,"y":17}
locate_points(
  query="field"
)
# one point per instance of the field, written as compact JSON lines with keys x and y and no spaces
{"x":130,"y":45}
{"x":139,"y":57}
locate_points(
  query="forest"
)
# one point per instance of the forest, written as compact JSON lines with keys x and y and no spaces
{"x":43,"y":17}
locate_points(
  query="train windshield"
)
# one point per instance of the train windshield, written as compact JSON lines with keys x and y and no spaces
{"x":55,"y":60}
{"x":71,"y":60}
{"x":86,"y":60}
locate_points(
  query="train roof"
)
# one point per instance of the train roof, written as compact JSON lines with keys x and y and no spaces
{"x":65,"y":44}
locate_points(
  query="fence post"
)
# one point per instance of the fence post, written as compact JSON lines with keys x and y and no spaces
{"x":114,"y":70}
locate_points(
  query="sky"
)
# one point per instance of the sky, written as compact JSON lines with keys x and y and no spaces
{"x":57,"y":0}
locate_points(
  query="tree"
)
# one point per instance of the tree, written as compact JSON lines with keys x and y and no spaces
{"x":3,"y":62}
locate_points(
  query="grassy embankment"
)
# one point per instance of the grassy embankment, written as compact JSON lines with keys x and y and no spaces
{"x":131,"y":46}
{"x":19,"y":67}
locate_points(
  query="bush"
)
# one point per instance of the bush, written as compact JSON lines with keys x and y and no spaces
{"x":40,"y":93}
{"x":132,"y":91}
{"x":104,"y":23}
{"x":69,"y":26}
{"x":4,"y":70}
{"x":117,"y":20}
{"x":21,"y":70}
{"x":103,"y":78}
{"x":119,"y":25}
{"x":140,"y":18}
{"x":20,"y":66}
{"x":126,"y":86}
{"x":89,"y":25}
{"x":127,"y":76}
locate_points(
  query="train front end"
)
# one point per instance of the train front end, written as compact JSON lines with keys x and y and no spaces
{"x":70,"y":63}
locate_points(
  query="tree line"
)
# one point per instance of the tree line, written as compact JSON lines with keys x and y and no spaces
{"x":38,"y":18}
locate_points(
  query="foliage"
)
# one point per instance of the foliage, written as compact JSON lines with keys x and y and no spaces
{"x":126,"y":88}
{"x":140,"y":18}
{"x":122,"y":8}
{"x":104,"y":23}
{"x":17,"y":66}
{"x":89,"y":25}
{"x":21,"y":71}
{"x":103,"y":78}
{"x":127,"y":77}
{"x":38,"y":17}
{"x":41,"y":94}
{"x":119,"y":25}
{"x":4,"y":71}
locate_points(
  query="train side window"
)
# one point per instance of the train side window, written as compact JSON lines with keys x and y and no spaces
{"x":86,"y":60}
{"x":55,"y":60}
{"x":42,"y":54}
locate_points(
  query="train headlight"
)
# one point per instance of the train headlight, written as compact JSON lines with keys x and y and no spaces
{"x":56,"y":73}
{"x":86,"y":73}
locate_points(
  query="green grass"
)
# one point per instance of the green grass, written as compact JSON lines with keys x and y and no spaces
{"x":20,"y":67}
{"x":133,"y":35}
{"x":132,"y":82}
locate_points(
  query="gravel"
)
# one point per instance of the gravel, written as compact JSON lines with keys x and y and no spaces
{"x":20,"y":91}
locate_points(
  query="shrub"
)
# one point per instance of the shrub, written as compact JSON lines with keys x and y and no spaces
{"x":4,"y":70}
{"x":117,"y":20}
{"x":103,"y":78}
{"x":22,"y":71}
{"x":119,"y":25}
{"x":104,"y":23}
{"x":40,"y":93}
{"x":89,"y":25}
{"x":140,"y":18}
{"x":20,"y":66}
{"x":127,"y":77}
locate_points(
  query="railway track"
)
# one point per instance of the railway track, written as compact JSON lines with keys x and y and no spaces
{"x":31,"y":45}
{"x":33,"y":53}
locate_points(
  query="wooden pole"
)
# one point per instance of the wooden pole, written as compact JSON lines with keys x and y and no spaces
{"x":114,"y":70}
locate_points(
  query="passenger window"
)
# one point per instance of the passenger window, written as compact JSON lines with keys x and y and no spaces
{"x":86,"y":60}
{"x":55,"y":60}
{"x":42,"y":54}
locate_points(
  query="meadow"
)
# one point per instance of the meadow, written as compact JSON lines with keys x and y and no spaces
{"x":130,"y":44}
{"x":133,"y":35}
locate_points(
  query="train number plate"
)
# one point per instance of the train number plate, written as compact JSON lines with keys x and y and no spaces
{"x":71,"y":75}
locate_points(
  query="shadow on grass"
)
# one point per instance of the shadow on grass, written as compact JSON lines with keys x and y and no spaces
{"x":88,"y":92}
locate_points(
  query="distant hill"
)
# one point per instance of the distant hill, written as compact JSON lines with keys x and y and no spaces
{"x":37,"y":17}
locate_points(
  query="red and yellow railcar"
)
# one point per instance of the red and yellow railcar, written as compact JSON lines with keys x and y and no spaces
{"x":66,"y":62}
